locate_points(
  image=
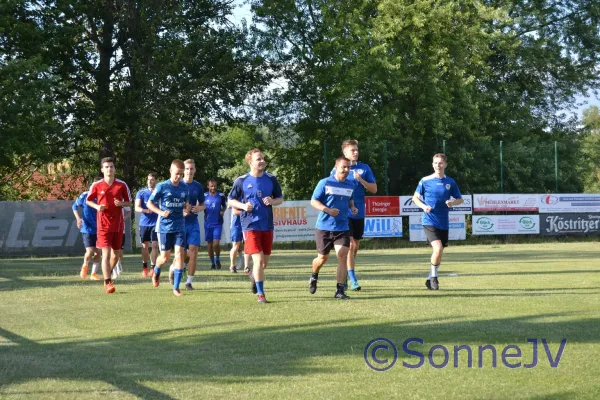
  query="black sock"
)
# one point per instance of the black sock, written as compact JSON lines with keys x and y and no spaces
{"x":106,"y":281}
{"x":315,"y":276}
{"x":145,"y":264}
{"x":340,"y":287}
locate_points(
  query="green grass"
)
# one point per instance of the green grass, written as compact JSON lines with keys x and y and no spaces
{"x":63,"y":338}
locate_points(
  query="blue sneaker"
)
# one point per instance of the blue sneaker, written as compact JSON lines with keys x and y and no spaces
{"x":355,"y":286}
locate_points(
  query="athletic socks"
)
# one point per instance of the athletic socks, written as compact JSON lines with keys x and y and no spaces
{"x":212,"y":260}
{"x":190,"y":279}
{"x":144,"y":265}
{"x":94,"y":268}
{"x":315,"y":276}
{"x":218,"y":258}
{"x":259,"y":287}
{"x":351,"y":275}
{"x":156,"y":271}
{"x":433,"y":273}
{"x":339,"y":288}
{"x":178,"y":275}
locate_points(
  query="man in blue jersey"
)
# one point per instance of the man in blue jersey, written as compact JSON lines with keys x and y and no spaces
{"x":147,"y":224}
{"x":255,"y":193}
{"x":236,"y":235}
{"x":333,"y":197}
{"x":436,"y":194}
{"x":87,"y":227}
{"x":169,"y":200}
{"x":192,"y":225}
{"x":216,"y":204}
{"x":362,"y":176}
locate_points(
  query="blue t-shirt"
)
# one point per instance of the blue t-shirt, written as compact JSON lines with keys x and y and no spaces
{"x":248,"y":188}
{"x":196,"y":196}
{"x":89,"y":214}
{"x":334,"y":194}
{"x":359,"y":194}
{"x":214,"y":205}
{"x":434,"y":192}
{"x":167,"y":196}
{"x":146,"y":219}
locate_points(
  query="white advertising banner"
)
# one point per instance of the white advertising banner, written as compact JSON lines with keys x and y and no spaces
{"x":457,"y":229}
{"x":407,"y":207}
{"x":569,"y":203}
{"x":506,"y":202}
{"x":383,"y":227}
{"x":506,"y":224}
{"x":294,"y":221}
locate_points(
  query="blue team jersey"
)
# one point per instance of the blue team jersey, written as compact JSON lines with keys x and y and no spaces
{"x":196,"y":196}
{"x":236,"y":223}
{"x":89,"y":214}
{"x":248,"y":188}
{"x":434,"y":192}
{"x":166,"y":196}
{"x":146,"y":219}
{"x":215,"y":203}
{"x":359,"y":194}
{"x":334,"y":194}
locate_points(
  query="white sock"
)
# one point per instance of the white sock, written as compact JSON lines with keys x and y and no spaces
{"x":433,"y":273}
{"x":190,"y":278}
{"x":94,"y":268}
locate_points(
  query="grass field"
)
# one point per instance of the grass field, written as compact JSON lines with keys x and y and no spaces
{"x":63,"y":338}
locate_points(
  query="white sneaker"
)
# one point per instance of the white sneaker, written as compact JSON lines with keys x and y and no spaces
{"x":115,"y":274}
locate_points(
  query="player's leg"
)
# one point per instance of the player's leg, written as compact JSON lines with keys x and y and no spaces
{"x":216,"y":236}
{"x":87,"y":256}
{"x":357,"y":229}
{"x":166,"y":243}
{"x":155,"y":250}
{"x":438,"y":239}
{"x":179,"y":257}
{"x":324,"y":246}
{"x":341,"y":242}
{"x":193,"y":241}
{"x":208,"y":233}
{"x":145,"y":232}
{"x":97,"y":260}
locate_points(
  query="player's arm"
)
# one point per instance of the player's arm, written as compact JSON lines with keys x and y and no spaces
{"x":277,"y":195}
{"x":126,"y":202}
{"x":369,"y":184}
{"x":155,"y":209}
{"x":417,"y":200}
{"x":75,"y":208}
{"x":90,"y":200}
{"x":138,"y":207}
{"x":322,"y":207}
{"x":352,"y":207}
{"x":455,"y":202}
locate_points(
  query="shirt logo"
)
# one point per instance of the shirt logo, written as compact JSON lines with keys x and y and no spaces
{"x":102,"y":192}
{"x":259,"y":193}
{"x":168,"y":194}
{"x":447,"y":186}
{"x":360,"y":171}
{"x":182,"y":194}
{"x":249,"y":186}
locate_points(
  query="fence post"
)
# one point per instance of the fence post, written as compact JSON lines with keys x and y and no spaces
{"x":501,"y":170}
{"x":556,"y":166}
{"x":386,"y":163}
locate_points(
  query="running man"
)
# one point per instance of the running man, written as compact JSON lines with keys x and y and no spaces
{"x":333,"y":197}
{"x":436,"y":194}
{"x":169,"y":200}
{"x":147,"y":224}
{"x":87,"y":226}
{"x":216,"y":204}
{"x":255,"y":193}
{"x":108,"y":196}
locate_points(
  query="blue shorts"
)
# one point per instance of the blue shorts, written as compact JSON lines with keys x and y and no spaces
{"x":89,"y":240}
{"x":192,"y":234}
{"x":237,"y":235}
{"x":168,"y":241}
{"x":212,"y":232}
{"x":148,"y":234}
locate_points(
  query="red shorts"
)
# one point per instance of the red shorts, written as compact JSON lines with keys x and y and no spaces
{"x":113,"y":240}
{"x":257,"y":241}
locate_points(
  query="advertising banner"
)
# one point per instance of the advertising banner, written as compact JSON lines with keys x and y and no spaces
{"x":506,"y":202}
{"x":382,"y":206}
{"x":570,"y":224}
{"x":43,"y":228}
{"x":506,"y":224}
{"x":457,"y":229}
{"x":295,"y":221}
{"x":408,"y":208}
{"x":569,"y":203}
{"x":383,"y":227}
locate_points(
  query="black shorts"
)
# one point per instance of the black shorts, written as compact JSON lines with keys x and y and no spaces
{"x":148,"y":234}
{"x":326,"y":240}
{"x":357,"y":228}
{"x":434,"y":234}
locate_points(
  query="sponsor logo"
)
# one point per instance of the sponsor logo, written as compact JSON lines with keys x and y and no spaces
{"x":485,"y":224}
{"x":447,"y":186}
{"x":549,"y":199}
{"x":527,"y":223}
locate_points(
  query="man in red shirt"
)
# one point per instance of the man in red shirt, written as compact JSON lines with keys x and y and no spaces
{"x":111,"y":196}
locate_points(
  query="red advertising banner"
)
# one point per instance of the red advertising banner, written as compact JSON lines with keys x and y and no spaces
{"x":382,"y":206}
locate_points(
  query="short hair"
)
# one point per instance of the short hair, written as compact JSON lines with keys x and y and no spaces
{"x":153,"y":174}
{"x":442,"y":156}
{"x":178,"y":163}
{"x":190,"y":161}
{"x":348,"y":143}
{"x":249,"y":154}
{"x":105,"y":160}
{"x":211,"y":180}
{"x":341,"y":158}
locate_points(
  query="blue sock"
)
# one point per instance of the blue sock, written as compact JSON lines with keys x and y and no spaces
{"x":218,"y":258}
{"x":259,"y":287}
{"x":156,"y":271}
{"x":178,"y":276}
{"x":212,"y":260}
{"x":351,"y":275}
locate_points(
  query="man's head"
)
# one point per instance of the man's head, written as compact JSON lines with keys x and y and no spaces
{"x":342,"y":168}
{"x":189,"y":170}
{"x":350,"y":149}
{"x":176,"y":170}
{"x":440,"y":162}
{"x":152,"y":177}
{"x":212,"y":186}
{"x":107,"y":165}
{"x":256,"y":159}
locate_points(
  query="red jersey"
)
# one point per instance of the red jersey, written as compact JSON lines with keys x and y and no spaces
{"x":111,"y":219}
